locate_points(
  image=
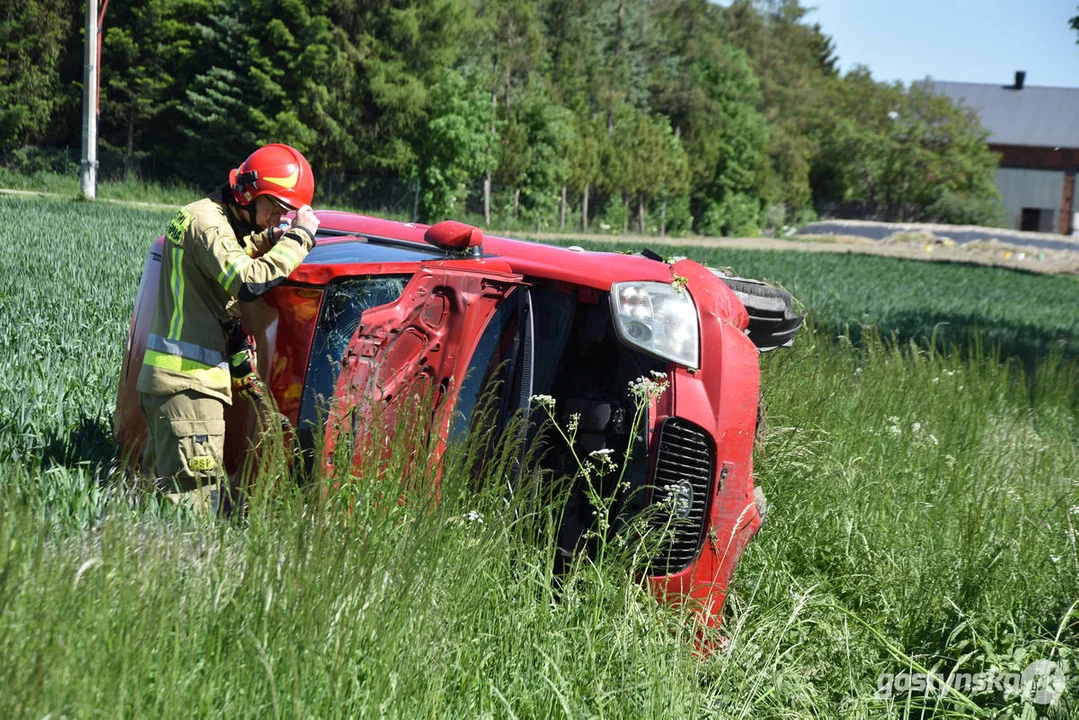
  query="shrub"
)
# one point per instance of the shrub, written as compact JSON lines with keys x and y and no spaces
{"x":954,"y":208}
{"x":736,"y":214}
{"x":615,"y":213}
{"x":679,"y":217}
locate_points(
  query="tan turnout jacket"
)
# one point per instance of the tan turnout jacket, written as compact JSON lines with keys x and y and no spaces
{"x":206,"y":265}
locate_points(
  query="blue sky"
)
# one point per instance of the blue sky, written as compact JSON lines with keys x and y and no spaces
{"x":958,"y":40}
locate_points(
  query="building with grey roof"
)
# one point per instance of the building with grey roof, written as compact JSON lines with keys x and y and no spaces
{"x":1036,"y":131}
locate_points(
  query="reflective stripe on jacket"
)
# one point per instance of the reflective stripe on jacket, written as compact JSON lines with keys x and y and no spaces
{"x":205,"y":266}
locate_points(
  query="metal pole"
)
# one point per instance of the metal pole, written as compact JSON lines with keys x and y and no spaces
{"x":88,"y":176}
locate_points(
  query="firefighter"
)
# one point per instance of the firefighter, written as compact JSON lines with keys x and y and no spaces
{"x":230,"y":246}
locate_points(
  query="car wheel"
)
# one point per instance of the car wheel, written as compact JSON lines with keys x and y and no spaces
{"x":773,"y":321}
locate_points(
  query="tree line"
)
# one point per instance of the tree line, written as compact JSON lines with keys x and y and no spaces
{"x":652,"y":115}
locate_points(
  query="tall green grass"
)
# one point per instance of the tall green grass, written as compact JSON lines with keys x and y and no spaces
{"x":924,"y":508}
{"x":932,"y":498}
{"x":69,"y":271}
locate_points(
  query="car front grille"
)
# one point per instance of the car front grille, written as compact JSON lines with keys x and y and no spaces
{"x":681,"y":486}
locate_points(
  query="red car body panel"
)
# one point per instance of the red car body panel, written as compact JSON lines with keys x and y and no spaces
{"x":413,"y":348}
{"x":523,"y":258}
{"x":429,"y":334}
{"x":722,"y":401}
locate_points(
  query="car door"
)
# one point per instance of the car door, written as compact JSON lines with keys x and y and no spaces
{"x":404,"y":366}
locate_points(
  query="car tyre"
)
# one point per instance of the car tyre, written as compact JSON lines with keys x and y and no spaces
{"x":773,"y":321}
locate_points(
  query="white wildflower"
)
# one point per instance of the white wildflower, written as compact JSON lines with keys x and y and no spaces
{"x":544,"y":401}
{"x":603,"y":459}
{"x":645,"y":390}
{"x":1054,"y":558}
{"x":915,"y":426}
{"x":474,"y":516}
{"x":669,"y":497}
{"x":1074,"y":510}
{"x":895,"y":430}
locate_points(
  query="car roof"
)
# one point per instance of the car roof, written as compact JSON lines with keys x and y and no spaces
{"x":349,"y":238}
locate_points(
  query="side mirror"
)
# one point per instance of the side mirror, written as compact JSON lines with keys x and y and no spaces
{"x":453,"y":235}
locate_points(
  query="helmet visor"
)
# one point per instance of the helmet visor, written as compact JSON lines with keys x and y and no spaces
{"x":280,"y":204}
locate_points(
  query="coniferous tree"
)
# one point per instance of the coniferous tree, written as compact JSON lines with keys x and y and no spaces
{"x":509,"y":54}
{"x":218,"y":121}
{"x":793,"y":62}
{"x":149,"y":49}
{"x":397,"y":51}
{"x":33,"y":34}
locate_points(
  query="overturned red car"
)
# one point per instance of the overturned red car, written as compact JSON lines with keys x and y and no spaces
{"x":379,"y":305}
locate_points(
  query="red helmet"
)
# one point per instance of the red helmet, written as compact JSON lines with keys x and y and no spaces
{"x":277,"y":170}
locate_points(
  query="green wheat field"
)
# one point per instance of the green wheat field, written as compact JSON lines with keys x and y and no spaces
{"x":920,"y":453}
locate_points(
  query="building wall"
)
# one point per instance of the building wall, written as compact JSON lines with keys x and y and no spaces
{"x":1032,"y":189}
{"x":1046,"y":158}
{"x":1037,"y":158}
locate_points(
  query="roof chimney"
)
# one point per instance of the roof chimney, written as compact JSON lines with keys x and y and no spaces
{"x":1020,"y":78}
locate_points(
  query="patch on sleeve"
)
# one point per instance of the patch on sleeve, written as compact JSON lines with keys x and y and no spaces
{"x":179,"y":226}
{"x":201,"y":463}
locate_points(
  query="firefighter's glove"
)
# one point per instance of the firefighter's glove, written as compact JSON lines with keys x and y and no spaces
{"x":240,"y":365}
{"x":250,"y":386}
{"x":241,"y":351}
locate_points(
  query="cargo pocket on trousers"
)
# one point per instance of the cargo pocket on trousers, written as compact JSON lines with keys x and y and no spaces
{"x":200,"y":446}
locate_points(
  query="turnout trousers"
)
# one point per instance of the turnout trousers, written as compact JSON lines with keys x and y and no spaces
{"x":185,"y":450}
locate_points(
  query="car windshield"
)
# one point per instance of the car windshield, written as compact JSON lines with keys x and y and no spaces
{"x":343,"y":303}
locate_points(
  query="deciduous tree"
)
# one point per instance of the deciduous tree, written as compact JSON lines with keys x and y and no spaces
{"x":905,"y":154}
{"x":454,"y":148}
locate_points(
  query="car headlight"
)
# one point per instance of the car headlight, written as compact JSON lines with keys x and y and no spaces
{"x":658,"y":319}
